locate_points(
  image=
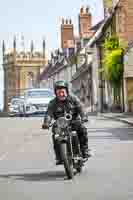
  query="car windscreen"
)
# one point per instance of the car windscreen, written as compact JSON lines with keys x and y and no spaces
{"x":39,"y":94}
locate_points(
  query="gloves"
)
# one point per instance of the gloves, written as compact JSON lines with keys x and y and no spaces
{"x":45,"y":126}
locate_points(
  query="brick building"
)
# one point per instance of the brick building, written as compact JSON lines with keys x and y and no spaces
{"x":123,"y":18}
{"x":64,"y":66}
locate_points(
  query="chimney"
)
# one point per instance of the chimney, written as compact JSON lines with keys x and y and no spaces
{"x":67,"y":34}
{"x":81,"y":10}
{"x":14,"y":43}
{"x":85,"y":23}
{"x":3,"y":47}
{"x":87,"y":10}
{"x":32,"y":46}
{"x":63,"y":21}
{"x":66,"y":21}
{"x":43,"y":47}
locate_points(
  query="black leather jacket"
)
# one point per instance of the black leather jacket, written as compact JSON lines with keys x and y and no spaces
{"x":57,"y":108}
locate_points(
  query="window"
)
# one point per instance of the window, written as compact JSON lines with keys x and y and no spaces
{"x":30,"y":79}
{"x":40,"y":94}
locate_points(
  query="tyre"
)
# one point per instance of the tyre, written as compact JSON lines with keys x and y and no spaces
{"x":68,"y":165}
{"x":79,"y":167}
{"x":11,"y":114}
{"x":77,"y":152}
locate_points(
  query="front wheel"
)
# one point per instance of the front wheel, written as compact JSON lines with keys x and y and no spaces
{"x":68,"y":165}
{"x":79,"y":167}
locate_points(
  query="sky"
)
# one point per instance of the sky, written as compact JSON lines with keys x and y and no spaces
{"x":39,"y":19}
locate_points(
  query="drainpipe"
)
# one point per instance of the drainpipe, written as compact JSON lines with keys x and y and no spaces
{"x":92,"y":103}
{"x":100,"y":80}
{"x":123,"y":93}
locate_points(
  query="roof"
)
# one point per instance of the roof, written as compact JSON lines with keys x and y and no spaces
{"x":81,"y":70}
{"x":51,"y":69}
{"x":94,"y":38}
{"x":45,"y":71}
{"x":101,"y":27}
{"x":99,"y":33}
{"x":97,"y":26}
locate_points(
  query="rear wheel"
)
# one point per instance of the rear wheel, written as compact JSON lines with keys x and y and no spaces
{"x":68,"y":164}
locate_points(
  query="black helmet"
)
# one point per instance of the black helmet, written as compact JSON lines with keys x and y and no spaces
{"x":61,"y":84}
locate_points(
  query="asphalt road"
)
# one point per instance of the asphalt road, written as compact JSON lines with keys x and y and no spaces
{"x":28,"y":171}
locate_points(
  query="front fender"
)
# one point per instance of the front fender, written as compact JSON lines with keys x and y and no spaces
{"x":60,"y":139}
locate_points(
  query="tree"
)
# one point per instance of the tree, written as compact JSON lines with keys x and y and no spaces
{"x":108,"y":3}
{"x":113,"y":65}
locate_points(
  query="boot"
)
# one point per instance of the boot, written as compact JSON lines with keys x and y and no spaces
{"x":86,"y":153}
{"x":58,"y":162}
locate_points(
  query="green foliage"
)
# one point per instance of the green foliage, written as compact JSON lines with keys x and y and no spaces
{"x":108,"y":3}
{"x":113,"y":64}
{"x":113,"y":68}
{"x":111,"y":43}
{"x":113,"y":60}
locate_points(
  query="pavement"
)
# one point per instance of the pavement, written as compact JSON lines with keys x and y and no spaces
{"x":122,"y":117}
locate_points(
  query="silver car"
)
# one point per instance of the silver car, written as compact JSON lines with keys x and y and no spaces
{"x":37,"y":100}
{"x":16,"y":106}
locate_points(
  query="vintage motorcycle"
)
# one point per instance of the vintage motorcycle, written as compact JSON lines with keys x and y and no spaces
{"x":69,"y":146}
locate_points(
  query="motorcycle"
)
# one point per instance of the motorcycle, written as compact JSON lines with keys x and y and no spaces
{"x":69,"y":146}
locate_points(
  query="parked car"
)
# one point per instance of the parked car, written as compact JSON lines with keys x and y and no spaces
{"x":16,"y":106}
{"x":37,"y":100}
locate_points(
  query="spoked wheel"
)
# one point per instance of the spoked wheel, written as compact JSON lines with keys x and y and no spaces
{"x":77,"y":154}
{"x":79,"y":169}
{"x":79,"y":165}
{"x":68,"y":164}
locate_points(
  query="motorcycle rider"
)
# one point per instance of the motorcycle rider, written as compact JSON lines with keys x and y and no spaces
{"x":64,"y":102}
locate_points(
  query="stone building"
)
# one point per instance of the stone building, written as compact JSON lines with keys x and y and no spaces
{"x":128,"y":78}
{"x":118,"y":21}
{"x":85,"y":82}
{"x":82,"y":83}
{"x":58,"y":68}
{"x":21,"y":70}
{"x":64,"y":66}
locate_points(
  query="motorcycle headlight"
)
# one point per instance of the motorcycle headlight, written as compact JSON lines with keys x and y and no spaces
{"x":62,"y":122}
